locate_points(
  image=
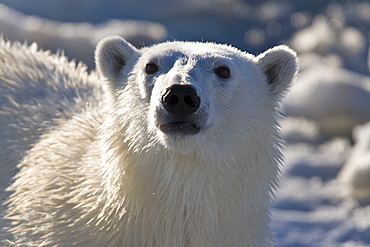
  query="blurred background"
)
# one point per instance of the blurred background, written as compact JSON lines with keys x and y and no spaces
{"x":324,"y":195}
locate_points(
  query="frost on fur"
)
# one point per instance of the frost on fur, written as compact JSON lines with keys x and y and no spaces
{"x":176,"y":144}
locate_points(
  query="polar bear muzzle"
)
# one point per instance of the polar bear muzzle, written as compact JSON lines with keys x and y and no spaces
{"x":181,"y":102}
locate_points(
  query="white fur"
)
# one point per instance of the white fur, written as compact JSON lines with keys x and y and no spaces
{"x":102,"y":174}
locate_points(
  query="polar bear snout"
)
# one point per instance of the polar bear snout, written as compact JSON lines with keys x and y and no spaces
{"x":181,"y":102}
{"x":181,"y":99}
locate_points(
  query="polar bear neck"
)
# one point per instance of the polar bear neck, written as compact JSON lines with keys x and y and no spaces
{"x":155,"y":196}
{"x":163,"y":198}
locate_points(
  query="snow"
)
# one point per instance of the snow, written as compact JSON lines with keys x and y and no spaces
{"x":77,"y":40}
{"x":311,"y":207}
{"x":324,"y":195}
{"x":356,"y":171}
{"x":345,"y":95}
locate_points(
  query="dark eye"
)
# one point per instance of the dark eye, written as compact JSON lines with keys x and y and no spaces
{"x":151,"y":68}
{"x":222,"y":71}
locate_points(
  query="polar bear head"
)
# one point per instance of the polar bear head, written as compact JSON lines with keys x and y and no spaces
{"x":188,"y":96}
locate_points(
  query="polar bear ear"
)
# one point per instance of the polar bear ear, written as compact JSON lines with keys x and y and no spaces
{"x":111,"y":55}
{"x":280,"y":65}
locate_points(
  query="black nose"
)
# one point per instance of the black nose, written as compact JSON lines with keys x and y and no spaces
{"x":181,"y":99}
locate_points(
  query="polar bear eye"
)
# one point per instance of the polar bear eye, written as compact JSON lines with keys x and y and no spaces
{"x":222,"y":71}
{"x":151,"y":68}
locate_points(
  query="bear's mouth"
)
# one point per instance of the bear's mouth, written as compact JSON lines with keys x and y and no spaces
{"x":180,"y":128}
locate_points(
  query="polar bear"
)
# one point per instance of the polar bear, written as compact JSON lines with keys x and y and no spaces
{"x":177,"y":144}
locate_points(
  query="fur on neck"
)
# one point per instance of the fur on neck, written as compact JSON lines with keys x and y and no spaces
{"x":154,"y":196}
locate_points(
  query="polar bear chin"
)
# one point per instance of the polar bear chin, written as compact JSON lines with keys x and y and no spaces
{"x":181,"y":143}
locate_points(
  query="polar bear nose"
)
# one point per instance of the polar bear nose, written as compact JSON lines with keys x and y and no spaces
{"x":181,"y":99}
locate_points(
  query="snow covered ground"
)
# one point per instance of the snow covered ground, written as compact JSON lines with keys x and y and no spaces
{"x":324,"y":197}
{"x":312,"y":207}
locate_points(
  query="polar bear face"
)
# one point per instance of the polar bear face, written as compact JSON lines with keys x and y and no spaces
{"x":192,"y":94}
